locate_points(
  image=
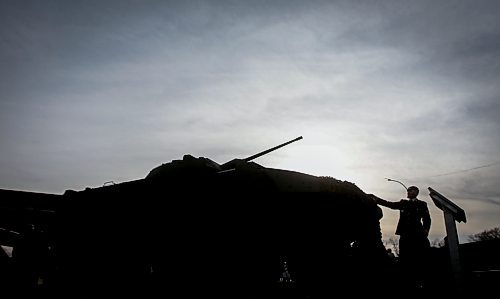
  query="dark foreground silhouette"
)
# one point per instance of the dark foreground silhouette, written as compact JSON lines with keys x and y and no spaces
{"x":192,"y":229}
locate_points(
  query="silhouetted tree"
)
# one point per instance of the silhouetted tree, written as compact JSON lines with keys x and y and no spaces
{"x":493,"y":233}
{"x":393,"y":244}
{"x":438,"y":243}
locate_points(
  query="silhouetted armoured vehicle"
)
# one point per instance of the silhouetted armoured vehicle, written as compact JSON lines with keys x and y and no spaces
{"x":192,"y":228}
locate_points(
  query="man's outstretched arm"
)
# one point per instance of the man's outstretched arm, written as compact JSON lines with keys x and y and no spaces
{"x":385,"y":203}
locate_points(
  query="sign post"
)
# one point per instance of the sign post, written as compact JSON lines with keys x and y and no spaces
{"x":452,"y":213}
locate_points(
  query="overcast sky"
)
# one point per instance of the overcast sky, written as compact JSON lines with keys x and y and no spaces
{"x":93,"y":91}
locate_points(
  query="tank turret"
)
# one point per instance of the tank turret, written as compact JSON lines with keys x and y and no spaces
{"x":155,"y":235}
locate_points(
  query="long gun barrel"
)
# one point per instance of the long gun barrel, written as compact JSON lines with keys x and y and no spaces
{"x":270,"y":150}
{"x":231,"y":164}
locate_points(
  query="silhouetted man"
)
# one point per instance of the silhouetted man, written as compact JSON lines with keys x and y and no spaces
{"x":413,"y":230}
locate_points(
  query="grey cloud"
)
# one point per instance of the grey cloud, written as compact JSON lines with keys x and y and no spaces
{"x":485,"y":110}
{"x":473,"y":186}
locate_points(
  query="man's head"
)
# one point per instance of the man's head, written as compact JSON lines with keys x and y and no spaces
{"x":412,"y":192}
